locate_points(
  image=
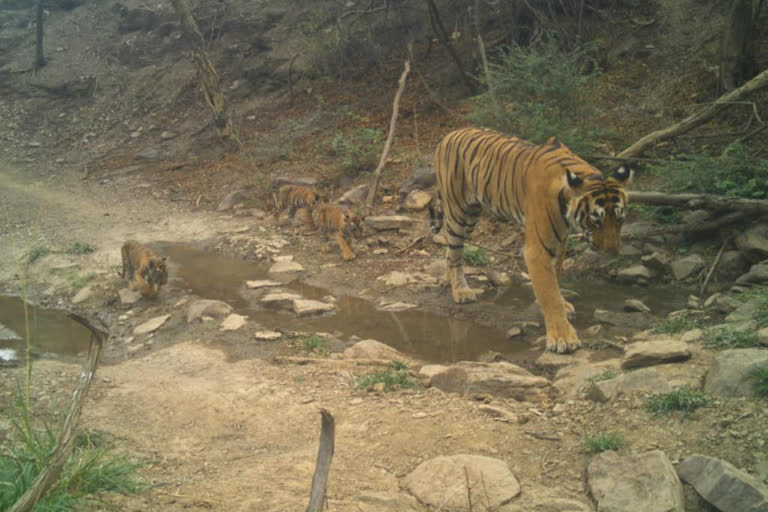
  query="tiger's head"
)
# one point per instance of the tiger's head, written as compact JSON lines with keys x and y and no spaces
{"x":353,"y":223}
{"x":157,"y":271}
{"x":598,"y":206}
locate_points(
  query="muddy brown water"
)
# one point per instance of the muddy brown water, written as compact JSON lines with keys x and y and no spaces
{"x":424,"y":335}
{"x":50,"y":330}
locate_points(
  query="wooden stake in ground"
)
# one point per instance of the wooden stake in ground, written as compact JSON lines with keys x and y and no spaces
{"x":390,"y":136}
{"x":323,"y":465}
{"x":690,"y":122}
{"x":209,"y":79}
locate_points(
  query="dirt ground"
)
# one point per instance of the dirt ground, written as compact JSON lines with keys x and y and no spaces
{"x":219,"y":432}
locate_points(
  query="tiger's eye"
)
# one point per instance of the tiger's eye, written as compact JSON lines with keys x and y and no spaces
{"x":600,"y":202}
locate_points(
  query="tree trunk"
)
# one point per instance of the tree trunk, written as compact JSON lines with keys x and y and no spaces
{"x":705,"y":201}
{"x":323,"y":463}
{"x":690,"y":122}
{"x":39,"y":57}
{"x":440,"y":32}
{"x":737,"y":50}
{"x":209,"y":79}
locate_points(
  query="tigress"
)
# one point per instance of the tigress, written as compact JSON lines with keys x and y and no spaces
{"x":146,"y":271}
{"x":295,"y":197}
{"x":546,"y":188}
{"x":333,"y":219}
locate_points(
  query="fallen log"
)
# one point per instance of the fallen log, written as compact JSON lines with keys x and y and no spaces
{"x":703,"y":201}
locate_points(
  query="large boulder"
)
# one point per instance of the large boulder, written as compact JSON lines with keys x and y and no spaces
{"x":730,"y":372}
{"x":501,"y":379}
{"x":649,"y":353}
{"x":754,"y":241}
{"x":723,"y":485}
{"x":645,"y":380}
{"x":687,"y":266}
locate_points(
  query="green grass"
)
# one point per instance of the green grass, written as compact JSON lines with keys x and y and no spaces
{"x":758,"y":296}
{"x":393,"y":378}
{"x":36,"y":253}
{"x":475,"y":256}
{"x":660,"y":214}
{"x":675,"y":325}
{"x":721,"y":339}
{"x":683,"y":401}
{"x":76,"y":280}
{"x":604,"y":442}
{"x":315,"y":344}
{"x":80,"y":248}
{"x":760,"y":376}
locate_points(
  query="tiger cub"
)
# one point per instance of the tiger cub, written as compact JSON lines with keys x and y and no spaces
{"x":146,"y":271}
{"x":295,"y":197}
{"x":333,"y":219}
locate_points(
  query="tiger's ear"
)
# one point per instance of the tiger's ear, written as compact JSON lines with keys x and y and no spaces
{"x":623,"y":174}
{"x":573,"y":180}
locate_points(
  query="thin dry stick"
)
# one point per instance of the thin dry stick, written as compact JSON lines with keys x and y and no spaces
{"x":415,"y":241}
{"x":714,"y":266}
{"x":66,"y":437}
{"x":323,"y":465}
{"x":390,"y":136}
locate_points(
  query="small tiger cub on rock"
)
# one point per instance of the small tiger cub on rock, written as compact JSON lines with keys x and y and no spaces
{"x":146,"y":271}
{"x":295,"y":197}
{"x":333,"y":219}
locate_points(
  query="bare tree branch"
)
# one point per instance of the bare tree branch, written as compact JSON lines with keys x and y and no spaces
{"x":323,"y":464}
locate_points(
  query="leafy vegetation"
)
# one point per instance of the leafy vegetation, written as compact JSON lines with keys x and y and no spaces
{"x":660,"y":214}
{"x":603,"y":442}
{"x":760,"y":376}
{"x":36,"y":253}
{"x":735,"y":172}
{"x":722,"y":339}
{"x":675,"y":325}
{"x":358,"y":150}
{"x":76,"y":280}
{"x":682,"y":400}
{"x":80,"y":248}
{"x":475,"y":256}
{"x":393,"y":378}
{"x":540,"y":92}
{"x":315,"y":344}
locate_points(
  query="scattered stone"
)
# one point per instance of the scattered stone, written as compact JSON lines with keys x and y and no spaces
{"x":687,"y":266}
{"x":499,"y":413}
{"x":417,"y":200}
{"x":758,"y":274}
{"x":439,"y":239}
{"x":762,"y":336}
{"x":626,"y":320}
{"x":148,"y":153}
{"x":646,"y":380}
{"x":657,"y":261}
{"x":628,"y":483}
{"x":511,"y":239}
{"x":501,"y":379}
{"x":7,"y":334}
{"x":279,"y":299}
{"x":722,"y":303}
{"x":448,"y":482}
{"x":207,"y":307}
{"x":372,"y":349}
{"x":694,"y":217}
{"x":282,"y":257}
{"x":233,"y":322}
{"x":724,"y":485}
{"x":282,"y":267}
{"x":381,"y":502}
{"x":635,"y":306}
{"x":421,"y":179}
{"x":498,"y":279}
{"x":397,"y":278}
{"x":629,"y":250}
{"x":593,"y":330}
{"x":514,"y":331}
{"x":354,"y":196}
{"x":231,"y":199}
{"x":437,"y":268}
{"x":82,"y":295}
{"x":693,"y":302}
{"x":307,"y":307}
{"x":729,"y":374}
{"x":263,"y":283}
{"x":386,"y":222}
{"x":692,"y":336}
{"x":267,"y":335}
{"x":634,"y":274}
{"x":732,"y":264}
{"x":396,"y":306}
{"x":649,"y":353}
{"x":150,"y":325}
{"x":380,"y":250}
{"x":128,"y":296}
{"x":754,"y":240}
{"x":746,"y":311}
{"x":430,"y":370}
{"x":167,"y":135}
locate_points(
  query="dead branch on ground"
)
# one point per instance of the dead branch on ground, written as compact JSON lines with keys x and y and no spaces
{"x":757,"y":83}
{"x":703,"y":201}
{"x":323,"y":464}
{"x":66,"y":437}
{"x":714,"y":266}
{"x":390,"y":136}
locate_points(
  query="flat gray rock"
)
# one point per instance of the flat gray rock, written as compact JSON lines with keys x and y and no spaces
{"x":394,"y":307}
{"x":8,"y":335}
{"x":82,"y":295}
{"x":649,"y":353}
{"x":307,"y":307}
{"x":207,"y":307}
{"x":151,"y":325}
{"x":729,"y":374}
{"x":417,"y":200}
{"x":687,"y":266}
{"x":445,"y":482}
{"x":724,"y":485}
{"x":645,"y":380}
{"x":387,"y":222}
{"x":279,"y":299}
{"x":281,"y":267}
{"x":621,"y":319}
{"x":233,"y":322}
{"x":632,"y":483}
{"x":262,"y":283}
{"x":372,"y":349}
{"x":128,"y":296}
{"x":500,"y":379}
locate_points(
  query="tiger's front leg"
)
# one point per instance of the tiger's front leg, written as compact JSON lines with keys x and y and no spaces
{"x":561,"y":336}
{"x":460,"y":290}
{"x":346,"y":251}
{"x":570,"y":310}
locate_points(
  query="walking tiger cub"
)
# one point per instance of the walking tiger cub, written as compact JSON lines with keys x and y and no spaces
{"x":295,"y":197}
{"x":547,"y":188}
{"x":146,"y":271}
{"x":333,"y":219}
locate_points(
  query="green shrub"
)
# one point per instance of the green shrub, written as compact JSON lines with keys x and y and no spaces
{"x":540,"y":92}
{"x":80,"y":248}
{"x":675,"y":325}
{"x":393,"y":378}
{"x":603,"y":442}
{"x":735,"y":172}
{"x":36,"y":253}
{"x":475,"y":256}
{"x":358,"y":150}
{"x":683,"y":400}
{"x":724,"y":338}
{"x":315,"y":344}
{"x":760,"y":376}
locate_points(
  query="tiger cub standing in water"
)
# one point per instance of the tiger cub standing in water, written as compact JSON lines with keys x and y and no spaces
{"x":146,"y":271}
{"x":295,"y":197}
{"x":333,"y":219}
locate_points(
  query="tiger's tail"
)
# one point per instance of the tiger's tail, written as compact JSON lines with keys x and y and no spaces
{"x":435,"y":207}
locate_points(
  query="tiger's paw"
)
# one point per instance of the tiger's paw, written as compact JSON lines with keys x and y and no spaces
{"x":570,"y":311}
{"x":349,"y":256}
{"x":562,"y":339}
{"x":463,"y":295}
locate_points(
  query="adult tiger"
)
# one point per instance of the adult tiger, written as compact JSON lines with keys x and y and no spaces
{"x":547,"y":188}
